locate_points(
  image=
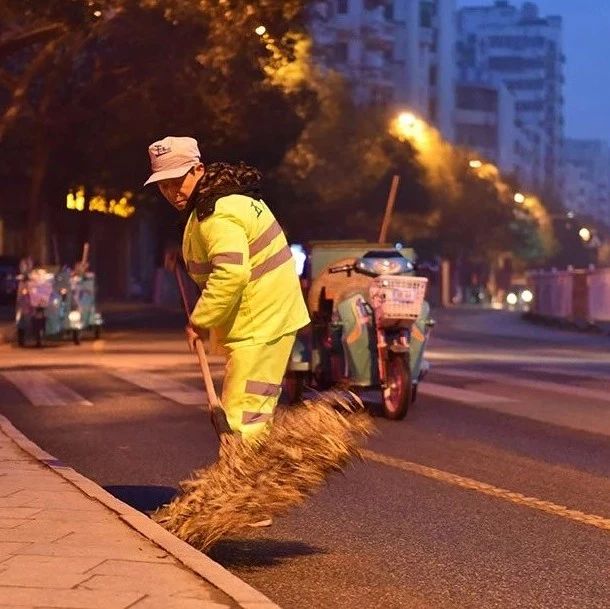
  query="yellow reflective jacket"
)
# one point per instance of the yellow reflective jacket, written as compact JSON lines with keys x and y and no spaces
{"x":240,"y":259}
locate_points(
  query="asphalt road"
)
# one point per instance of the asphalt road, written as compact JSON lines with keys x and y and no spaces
{"x":493,"y":493}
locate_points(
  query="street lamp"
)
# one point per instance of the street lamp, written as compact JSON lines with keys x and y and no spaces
{"x":260,"y":30}
{"x":519,"y":197}
{"x":406,"y":120}
{"x":407,"y":126}
{"x":585,"y":234}
{"x":475,"y":164}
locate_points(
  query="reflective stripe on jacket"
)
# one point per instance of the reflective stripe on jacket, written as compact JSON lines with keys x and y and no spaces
{"x":240,"y":259}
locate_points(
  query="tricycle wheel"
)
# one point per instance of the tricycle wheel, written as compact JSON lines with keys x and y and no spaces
{"x":76,"y":337}
{"x":397,"y":396}
{"x":294,"y":384}
{"x":21,"y":337}
{"x":39,"y":325}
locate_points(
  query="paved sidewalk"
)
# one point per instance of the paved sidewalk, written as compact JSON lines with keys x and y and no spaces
{"x":65,"y":542}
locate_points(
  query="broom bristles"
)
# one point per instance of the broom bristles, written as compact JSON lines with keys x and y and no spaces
{"x":252,"y":481}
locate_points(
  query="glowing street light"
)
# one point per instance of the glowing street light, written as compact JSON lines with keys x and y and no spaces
{"x":519,"y":198}
{"x":407,"y":120}
{"x":475,"y":164}
{"x":407,"y":126}
{"x":585,"y":234}
{"x":260,"y":30}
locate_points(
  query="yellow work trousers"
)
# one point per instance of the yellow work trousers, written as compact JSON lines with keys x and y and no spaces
{"x":253,"y":383}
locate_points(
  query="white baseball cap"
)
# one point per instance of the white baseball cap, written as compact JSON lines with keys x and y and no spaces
{"x":172,"y":157}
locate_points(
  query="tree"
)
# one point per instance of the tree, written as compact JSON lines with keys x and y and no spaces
{"x":333,"y":183}
{"x":89,"y":84}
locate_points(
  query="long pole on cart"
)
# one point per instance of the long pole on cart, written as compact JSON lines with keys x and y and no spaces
{"x":214,"y":405}
{"x":85,"y":258}
{"x":389,"y":208}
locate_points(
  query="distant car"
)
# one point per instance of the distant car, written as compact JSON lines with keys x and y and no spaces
{"x":518,"y":298}
{"x":9,"y":269}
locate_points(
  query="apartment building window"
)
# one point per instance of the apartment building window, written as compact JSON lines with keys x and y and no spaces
{"x":477,"y":136}
{"x":388,"y":11}
{"x":516,"y":42}
{"x":530,"y":106}
{"x":466,"y":53}
{"x":432,"y":77}
{"x":514,"y":64}
{"x":477,"y":98}
{"x":342,"y":7}
{"x":426,"y":14}
{"x":526,"y":84}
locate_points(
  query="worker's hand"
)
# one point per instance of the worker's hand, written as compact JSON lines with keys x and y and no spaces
{"x":192,"y":336}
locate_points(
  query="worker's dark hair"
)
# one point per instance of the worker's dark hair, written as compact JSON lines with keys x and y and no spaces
{"x":222,"y":176}
{"x":221,"y":180}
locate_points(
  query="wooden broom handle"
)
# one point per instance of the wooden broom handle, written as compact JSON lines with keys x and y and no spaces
{"x":201,"y":356}
{"x":207,"y":375}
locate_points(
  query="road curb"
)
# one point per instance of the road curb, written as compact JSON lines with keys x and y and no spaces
{"x":245,"y":595}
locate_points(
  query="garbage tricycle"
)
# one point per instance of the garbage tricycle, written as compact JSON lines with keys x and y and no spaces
{"x":84,"y":313}
{"x":55,"y":302}
{"x":37,"y":304}
{"x":370,"y":325}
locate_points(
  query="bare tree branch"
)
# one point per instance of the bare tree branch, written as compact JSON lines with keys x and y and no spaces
{"x":41,"y":34}
{"x":8,"y":80}
{"x":20,"y":92}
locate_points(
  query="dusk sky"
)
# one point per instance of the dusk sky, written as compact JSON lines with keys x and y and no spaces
{"x":586,"y":39}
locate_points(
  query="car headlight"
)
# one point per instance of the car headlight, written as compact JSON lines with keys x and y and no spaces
{"x":527,"y":296}
{"x":511,"y":298}
{"x":74,"y":316}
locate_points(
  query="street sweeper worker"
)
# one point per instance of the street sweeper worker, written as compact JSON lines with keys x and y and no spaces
{"x":236,"y":252}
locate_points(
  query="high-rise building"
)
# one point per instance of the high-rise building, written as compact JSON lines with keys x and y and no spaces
{"x":396,"y":53}
{"x":485,"y":122}
{"x":587,"y":178}
{"x":517,"y":48}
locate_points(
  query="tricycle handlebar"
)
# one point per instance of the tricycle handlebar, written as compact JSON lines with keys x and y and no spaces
{"x":344,"y":268}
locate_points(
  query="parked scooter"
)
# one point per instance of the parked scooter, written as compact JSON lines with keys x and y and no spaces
{"x":56,"y":302}
{"x":373,"y":335}
{"x":82,"y":282}
{"x":84,"y":314}
{"x":35,"y":304}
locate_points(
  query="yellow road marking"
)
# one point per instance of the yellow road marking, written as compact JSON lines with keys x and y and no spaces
{"x":487,"y":489}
